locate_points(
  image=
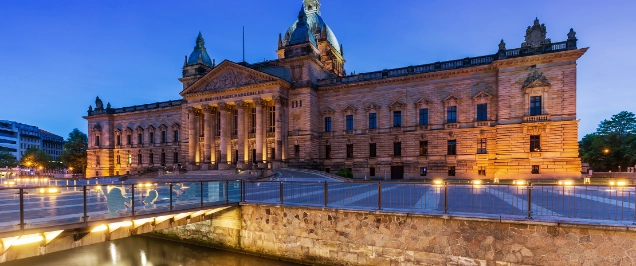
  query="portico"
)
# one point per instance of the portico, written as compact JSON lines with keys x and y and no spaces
{"x":237,"y":123}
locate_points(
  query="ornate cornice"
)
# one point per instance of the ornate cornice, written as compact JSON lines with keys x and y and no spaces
{"x":533,"y":59}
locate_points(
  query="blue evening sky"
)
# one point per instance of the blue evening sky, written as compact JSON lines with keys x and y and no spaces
{"x":56,"y":56}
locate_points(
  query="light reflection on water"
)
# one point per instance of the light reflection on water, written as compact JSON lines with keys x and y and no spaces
{"x":145,"y":251}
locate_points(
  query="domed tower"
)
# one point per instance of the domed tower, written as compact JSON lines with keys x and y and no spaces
{"x":310,"y":28}
{"x":197,"y":65}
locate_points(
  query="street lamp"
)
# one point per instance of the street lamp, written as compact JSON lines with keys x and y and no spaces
{"x":606,"y":151}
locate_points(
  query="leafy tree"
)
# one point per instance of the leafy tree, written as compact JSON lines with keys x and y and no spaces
{"x":613,"y":145}
{"x":35,"y":157}
{"x":7,"y":159}
{"x":345,"y":172}
{"x":74,"y":153}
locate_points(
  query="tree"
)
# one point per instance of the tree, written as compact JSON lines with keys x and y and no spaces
{"x":7,"y":159}
{"x":35,"y":157}
{"x":622,"y":124}
{"x":613,"y":145}
{"x":345,"y":172}
{"x":74,"y":153}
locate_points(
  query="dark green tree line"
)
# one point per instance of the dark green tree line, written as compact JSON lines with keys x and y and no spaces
{"x":612,"y":145}
{"x":74,"y":153}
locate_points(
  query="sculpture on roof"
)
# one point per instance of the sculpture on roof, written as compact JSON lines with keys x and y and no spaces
{"x":98,"y":104}
{"x":535,"y":35}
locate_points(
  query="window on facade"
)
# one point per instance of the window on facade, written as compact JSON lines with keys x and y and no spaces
{"x":451,"y":114}
{"x":176,"y":136}
{"x":452,"y":147}
{"x":118,"y":159}
{"x":481,"y":171}
{"x":327,"y":151}
{"x":371,"y":171}
{"x":300,"y":103}
{"x":253,"y":120}
{"x":482,"y":112}
{"x":152,"y":137}
{"x":129,"y":159}
{"x":349,"y":122}
{"x":218,"y":124}
{"x":424,"y":117}
{"x":372,"y":153}
{"x":327,"y":124}
{"x":128,"y":139}
{"x":397,"y":118}
{"x":151,"y":158}
{"x":535,"y":105}
{"x":118,"y":139}
{"x":535,"y":143}
{"x":97,"y":160}
{"x":272,"y":153}
{"x":96,"y":140}
{"x":163,"y":158}
{"x":234,"y":122}
{"x":373,"y":121}
{"x":140,"y":138}
{"x":297,"y":150}
{"x":164,"y":136}
{"x":481,"y":146}
{"x":272,"y":119}
{"x":349,"y":150}
{"x":139,"y":157}
{"x":451,"y":171}
{"x":423,"y":148}
{"x":175,"y":158}
{"x":423,"y":171}
{"x":535,"y":169}
{"x":397,"y":148}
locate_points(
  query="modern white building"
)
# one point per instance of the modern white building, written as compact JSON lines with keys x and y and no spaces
{"x":18,"y":137}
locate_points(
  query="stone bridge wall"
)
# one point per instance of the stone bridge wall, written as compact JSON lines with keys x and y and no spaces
{"x":343,"y":237}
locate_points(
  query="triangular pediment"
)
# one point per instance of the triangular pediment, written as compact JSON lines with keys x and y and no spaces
{"x":327,"y":111}
{"x":451,"y":98}
{"x":349,"y":109}
{"x":482,"y":94}
{"x":535,"y":79}
{"x":372,"y":106}
{"x":229,"y":75}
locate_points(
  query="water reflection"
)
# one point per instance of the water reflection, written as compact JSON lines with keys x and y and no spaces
{"x":145,"y":251}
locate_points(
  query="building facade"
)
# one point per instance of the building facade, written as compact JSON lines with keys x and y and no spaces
{"x":508,"y":115}
{"x":18,"y":137}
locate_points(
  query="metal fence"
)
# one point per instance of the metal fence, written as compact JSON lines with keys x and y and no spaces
{"x":597,"y":202}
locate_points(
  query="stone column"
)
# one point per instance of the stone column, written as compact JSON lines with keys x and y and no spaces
{"x":212,"y":127}
{"x":258,"y":102}
{"x":278,"y":104}
{"x":207,"y":136}
{"x":241,"y":134}
{"x":192,"y":138}
{"x":224,"y":110}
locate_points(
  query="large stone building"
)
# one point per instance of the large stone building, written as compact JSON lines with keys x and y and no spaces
{"x":17,"y":138}
{"x":511,"y":114}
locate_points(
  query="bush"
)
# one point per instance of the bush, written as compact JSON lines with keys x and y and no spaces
{"x":345,"y":172}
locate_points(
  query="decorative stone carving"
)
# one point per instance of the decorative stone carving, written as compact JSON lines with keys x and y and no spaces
{"x":372,"y":107}
{"x":451,"y":100}
{"x":535,"y":79}
{"x":482,"y":97}
{"x":327,"y":111}
{"x":259,"y":102}
{"x":396,"y":105}
{"x":422,"y":102}
{"x":502,"y":45}
{"x":572,"y":34}
{"x":176,"y":126}
{"x":535,"y":35}
{"x":231,"y":78}
{"x":97,"y":127}
{"x":163,"y":127}
{"x":225,"y":107}
{"x":349,"y":110}
{"x":139,"y":129}
{"x":99,"y":105}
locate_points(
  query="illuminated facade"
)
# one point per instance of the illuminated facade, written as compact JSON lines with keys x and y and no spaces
{"x":511,"y":114}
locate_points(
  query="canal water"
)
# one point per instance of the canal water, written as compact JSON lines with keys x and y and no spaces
{"x":145,"y":251}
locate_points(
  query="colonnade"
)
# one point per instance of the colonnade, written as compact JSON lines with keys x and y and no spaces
{"x":244,"y":144}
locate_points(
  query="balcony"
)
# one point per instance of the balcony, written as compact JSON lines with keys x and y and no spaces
{"x":536,"y":118}
{"x":451,"y":125}
{"x":396,"y":129}
{"x":271,"y":134}
{"x":482,"y":123}
{"x":349,"y":132}
{"x":424,"y":127}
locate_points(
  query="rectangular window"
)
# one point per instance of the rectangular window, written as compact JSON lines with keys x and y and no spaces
{"x":535,"y":143}
{"x":163,"y":158}
{"x":118,"y":159}
{"x":424,"y":117}
{"x":129,"y":159}
{"x":535,"y":105}
{"x":234,"y":122}
{"x":327,"y":151}
{"x":481,"y":146}
{"x":481,"y":171}
{"x":176,"y":136}
{"x":139,"y":157}
{"x":163,"y":137}
{"x":152,"y":137}
{"x":218,"y":123}
{"x":372,"y":153}
{"x":128,"y":139}
{"x":175,"y":159}
{"x":327,"y":170}
{"x":451,"y":171}
{"x":301,"y":103}
{"x":482,"y":112}
{"x":452,"y":147}
{"x":151,"y":158}
{"x":253,"y":121}
{"x":397,"y":118}
{"x":349,"y":150}
{"x":373,"y":121}
{"x":119,"y":139}
{"x":140,"y":138}
{"x":327,"y":124}
{"x":535,"y":169}
{"x":423,"y":171}
{"x":96,"y":140}
{"x":423,"y":148}
{"x":397,"y":148}
{"x":272,"y":119}
{"x":371,"y":171}
{"x":451,"y":114}
{"x":350,"y":122}
{"x":97,"y":160}
{"x":297,"y":150}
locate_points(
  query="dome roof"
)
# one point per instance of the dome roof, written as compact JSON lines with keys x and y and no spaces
{"x":301,"y":32}
{"x":315,"y":24}
{"x":199,"y":55}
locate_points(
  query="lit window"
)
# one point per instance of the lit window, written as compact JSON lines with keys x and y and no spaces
{"x":423,"y":148}
{"x":481,"y":146}
{"x":452,"y":147}
{"x":349,"y":150}
{"x":535,"y":143}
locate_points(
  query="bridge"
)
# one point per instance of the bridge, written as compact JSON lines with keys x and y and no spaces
{"x":44,"y":218}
